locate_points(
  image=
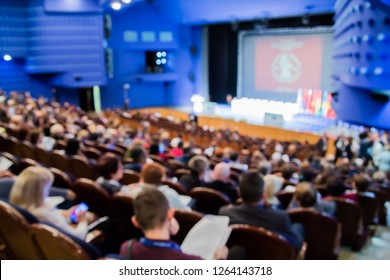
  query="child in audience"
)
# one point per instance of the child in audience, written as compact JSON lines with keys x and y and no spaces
{"x":155,"y":218}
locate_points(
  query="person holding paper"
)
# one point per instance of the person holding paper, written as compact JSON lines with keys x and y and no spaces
{"x":255,"y":213}
{"x":155,"y":218}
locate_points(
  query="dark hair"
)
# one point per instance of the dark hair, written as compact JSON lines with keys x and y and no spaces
{"x":34,"y":136}
{"x":287,"y":171}
{"x":107,"y":165}
{"x":307,"y":197}
{"x":72,"y":147}
{"x":335,"y":186}
{"x":234,"y":156}
{"x":152,"y":173}
{"x":251,"y":187}
{"x":151,"y":209}
{"x":361,"y":183}
{"x":138,"y":155}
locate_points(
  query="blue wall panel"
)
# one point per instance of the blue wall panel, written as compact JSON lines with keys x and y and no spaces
{"x":361,"y":59}
{"x":129,"y":45}
{"x":69,"y":45}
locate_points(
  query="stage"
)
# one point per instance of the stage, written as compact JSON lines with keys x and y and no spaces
{"x":295,"y":122}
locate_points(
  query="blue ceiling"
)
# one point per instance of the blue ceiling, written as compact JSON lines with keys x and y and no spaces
{"x":213,"y":11}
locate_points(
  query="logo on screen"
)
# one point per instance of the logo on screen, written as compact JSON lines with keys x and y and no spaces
{"x":286,"y":68}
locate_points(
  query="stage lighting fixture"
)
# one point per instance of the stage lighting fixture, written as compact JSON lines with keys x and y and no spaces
{"x":158,"y":61}
{"x":163,"y":61}
{"x":158,"y":54}
{"x":126,"y":1}
{"x":163,"y":54}
{"x":116,"y":5}
{"x":7,"y":57}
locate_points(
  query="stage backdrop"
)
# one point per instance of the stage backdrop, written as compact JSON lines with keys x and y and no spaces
{"x":275,"y":64}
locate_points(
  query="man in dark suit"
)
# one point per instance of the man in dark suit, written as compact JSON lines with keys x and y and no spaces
{"x":323,"y":144}
{"x":253,"y":212}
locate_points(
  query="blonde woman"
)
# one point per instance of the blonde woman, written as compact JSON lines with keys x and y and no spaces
{"x":30,"y":192}
{"x":272,"y":185}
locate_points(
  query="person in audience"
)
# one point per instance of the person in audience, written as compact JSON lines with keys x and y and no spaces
{"x":72,"y":147}
{"x":198,"y":165}
{"x":306,"y":196}
{"x":221,"y":178}
{"x":153,"y":215}
{"x":177,"y":152}
{"x":138,"y":156}
{"x":379,"y":178}
{"x":253,"y":211}
{"x":30,"y":192}
{"x":111,"y":170}
{"x":360,"y":185}
{"x":272,"y":185}
{"x":335,"y":186}
{"x":35,"y":137}
{"x":234,"y":162}
{"x":152,"y":175}
{"x":57,"y":131}
{"x":265,"y":167}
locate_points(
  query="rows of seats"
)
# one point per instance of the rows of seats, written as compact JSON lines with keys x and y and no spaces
{"x":26,"y":239}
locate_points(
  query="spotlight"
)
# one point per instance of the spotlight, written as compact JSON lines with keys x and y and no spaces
{"x":158,"y":61}
{"x":158,"y":54}
{"x":163,"y":54}
{"x":126,"y":1}
{"x":116,"y":6}
{"x":7,"y":57}
{"x":163,"y":61}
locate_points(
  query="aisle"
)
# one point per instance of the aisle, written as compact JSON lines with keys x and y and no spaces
{"x":377,"y":247}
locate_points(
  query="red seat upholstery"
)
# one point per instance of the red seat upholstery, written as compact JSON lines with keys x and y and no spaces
{"x":53,"y":245}
{"x":208,"y":200}
{"x":186,"y":219}
{"x":14,"y":234}
{"x":61,"y":179}
{"x":120,"y":211}
{"x":322,"y":233}
{"x":260,"y":244}
{"x":130,"y":177}
{"x":93,"y":195}
{"x":350,"y":215}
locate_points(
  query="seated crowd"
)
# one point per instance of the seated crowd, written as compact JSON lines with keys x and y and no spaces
{"x":262,"y":181}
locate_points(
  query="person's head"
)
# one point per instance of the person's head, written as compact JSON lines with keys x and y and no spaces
{"x":379,"y":177}
{"x":198,"y":164}
{"x":151,"y":210}
{"x":57,"y":131}
{"x":287,"y":171}
{"x":251,"y":187}
{"x":110,"y":166}
{"x":35,"y":136}
{"x":31,"y":187}
{"x":265,"y":167}
{"x":72,"y":147}
{"x":234,"y":156}
{"x":360,"y":183}
{"x":221,"y":172}
{"x":138,"y":155}
{"x":335,"y":185}
{"x":305,"y":194}
{"x":152,"y":173}
{"x":272,"y":185}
